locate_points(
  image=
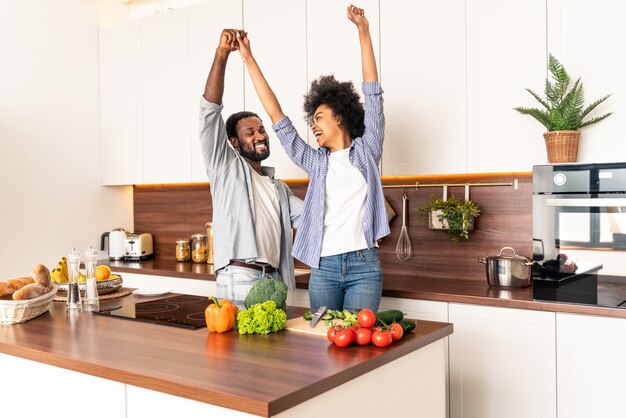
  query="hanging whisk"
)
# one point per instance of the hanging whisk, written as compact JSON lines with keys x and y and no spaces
{"x":403,"y":248}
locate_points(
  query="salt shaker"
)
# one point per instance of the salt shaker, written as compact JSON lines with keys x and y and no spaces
{"x":91,"y":294}
{"x":73,"y":292}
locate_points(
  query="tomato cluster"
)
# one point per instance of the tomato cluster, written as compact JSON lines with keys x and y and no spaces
{"x":365,"y":332}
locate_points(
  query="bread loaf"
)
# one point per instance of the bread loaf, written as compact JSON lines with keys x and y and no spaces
{"x":30,"y":291}
{"x":8,"y":287}
{"x":41,"y":275}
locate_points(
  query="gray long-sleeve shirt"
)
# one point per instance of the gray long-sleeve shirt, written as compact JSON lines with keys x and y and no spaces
{"x":233,"y":206}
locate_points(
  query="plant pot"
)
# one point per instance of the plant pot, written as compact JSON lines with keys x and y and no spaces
{"x":435,"y":223}
{"x":562,"y":146}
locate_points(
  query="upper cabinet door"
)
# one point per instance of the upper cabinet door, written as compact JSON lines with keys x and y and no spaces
{"x":506,"y":52}
{"x":120,"y":104}
{"x":423,"y":76}
{"x":206,"y":21}
{"x":587,"y":41}
{"x":165,"y":63}
{"x":277,"y":30}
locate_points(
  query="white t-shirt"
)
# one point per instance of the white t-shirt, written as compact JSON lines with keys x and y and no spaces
{"x":266,"y":219}
{"x":344,"y":205}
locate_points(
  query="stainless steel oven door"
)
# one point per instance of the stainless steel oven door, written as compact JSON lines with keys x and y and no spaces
{"x":590,"y":229}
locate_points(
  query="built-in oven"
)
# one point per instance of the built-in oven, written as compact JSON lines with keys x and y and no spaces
{"x":579,"y":233}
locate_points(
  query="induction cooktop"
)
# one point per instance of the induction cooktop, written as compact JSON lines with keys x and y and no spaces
{"x":185,"y":311}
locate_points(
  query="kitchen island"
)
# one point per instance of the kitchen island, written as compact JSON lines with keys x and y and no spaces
{"x":147,"y":370}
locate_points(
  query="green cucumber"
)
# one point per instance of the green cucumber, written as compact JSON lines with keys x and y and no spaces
{"x":408,"y":325}
{"x":389,"y":316}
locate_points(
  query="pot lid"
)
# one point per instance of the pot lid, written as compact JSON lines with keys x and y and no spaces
{"x":510,"y":256}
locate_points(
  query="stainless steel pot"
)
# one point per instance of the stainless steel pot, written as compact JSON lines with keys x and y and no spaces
{"x":508,"y":270}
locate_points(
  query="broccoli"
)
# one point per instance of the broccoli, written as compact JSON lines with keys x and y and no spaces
{"x":267,"y":289}
{"x":261,"y":318}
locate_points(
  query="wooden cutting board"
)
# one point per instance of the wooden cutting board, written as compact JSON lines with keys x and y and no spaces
{"x":303,"y":326}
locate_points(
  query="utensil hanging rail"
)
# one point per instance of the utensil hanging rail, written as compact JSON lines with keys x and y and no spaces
{"x":417,"y":185}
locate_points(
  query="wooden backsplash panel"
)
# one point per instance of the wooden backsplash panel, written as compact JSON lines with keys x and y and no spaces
{"x":170,"y":212}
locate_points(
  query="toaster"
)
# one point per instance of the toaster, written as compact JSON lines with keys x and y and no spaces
{"x":138,"y":246}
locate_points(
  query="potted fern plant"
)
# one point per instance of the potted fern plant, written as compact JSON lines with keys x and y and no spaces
{"x":563,"y":113}
{"x":454,"y":216}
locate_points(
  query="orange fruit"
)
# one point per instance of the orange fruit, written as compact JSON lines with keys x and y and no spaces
{"x":103,"y":273}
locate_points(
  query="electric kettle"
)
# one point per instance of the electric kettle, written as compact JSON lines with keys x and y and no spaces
{"x":117,"y":238}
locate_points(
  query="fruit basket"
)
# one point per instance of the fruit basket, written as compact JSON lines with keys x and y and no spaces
{"x":111,"y":285}
{"x":16,"y":311}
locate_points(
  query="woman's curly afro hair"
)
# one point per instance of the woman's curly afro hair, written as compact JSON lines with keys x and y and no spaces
{"x":341,"y":97}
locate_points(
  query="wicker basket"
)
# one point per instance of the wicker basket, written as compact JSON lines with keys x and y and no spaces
{"x":16,"y":311}
{"x":562,"y":146}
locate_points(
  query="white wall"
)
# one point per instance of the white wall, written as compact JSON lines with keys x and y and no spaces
{"x":49,"y":133}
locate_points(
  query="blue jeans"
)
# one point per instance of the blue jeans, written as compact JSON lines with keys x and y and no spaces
{"x":350,"y":281}
{"x":234,"y":283}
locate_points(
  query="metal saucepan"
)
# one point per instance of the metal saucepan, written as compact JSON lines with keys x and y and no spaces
{"x":510,"y":270}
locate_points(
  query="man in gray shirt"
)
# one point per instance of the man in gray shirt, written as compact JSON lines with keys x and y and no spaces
{"x":253,"y":213}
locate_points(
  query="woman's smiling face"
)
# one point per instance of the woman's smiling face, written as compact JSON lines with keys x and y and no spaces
{"x":326,"y":127}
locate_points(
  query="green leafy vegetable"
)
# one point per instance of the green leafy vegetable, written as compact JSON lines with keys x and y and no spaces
{"x":261,"y":318}
{"x":267,"y":289}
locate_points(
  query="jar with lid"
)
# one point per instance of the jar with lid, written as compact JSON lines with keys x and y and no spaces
{"x":199,"y":248}
{"x":182,"y":249}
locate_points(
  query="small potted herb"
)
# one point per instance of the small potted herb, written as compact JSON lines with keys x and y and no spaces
{"x":452,"y":215}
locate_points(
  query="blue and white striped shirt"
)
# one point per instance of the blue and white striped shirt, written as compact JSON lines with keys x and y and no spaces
{"x":365,"y":153}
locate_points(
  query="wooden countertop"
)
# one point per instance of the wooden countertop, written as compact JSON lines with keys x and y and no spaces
{"x":258,"y":374}
{"x":472,"y":290}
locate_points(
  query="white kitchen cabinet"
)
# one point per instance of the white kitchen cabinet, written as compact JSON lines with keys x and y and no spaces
{"x":591,"y":367}
{"x":282,"y":56}
{"x":425,"y":310}
{"x":502,"y":363}
{"x":120,"y":104}
{"x":422,"y":69}
{"x":141,"y":403}
{"x":506,"y":52}
{"x":165,"y":97}
{"x":206,"y":21}
{"x":584,"y":39}
{"x":32,"y":390}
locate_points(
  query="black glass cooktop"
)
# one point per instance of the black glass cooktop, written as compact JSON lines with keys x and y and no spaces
{"x":185,"y":311}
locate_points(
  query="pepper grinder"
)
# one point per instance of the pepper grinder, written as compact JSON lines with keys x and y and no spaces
{"x":91,"y":302}
{"x":73,"y":292}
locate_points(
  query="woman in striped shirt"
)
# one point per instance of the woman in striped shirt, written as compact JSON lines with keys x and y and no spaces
{"x":344,"y":209}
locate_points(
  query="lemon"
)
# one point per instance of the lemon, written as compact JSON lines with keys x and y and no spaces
{"x":103,"y":273}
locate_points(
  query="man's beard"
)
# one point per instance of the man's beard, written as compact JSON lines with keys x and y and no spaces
{"x":251,"y":154}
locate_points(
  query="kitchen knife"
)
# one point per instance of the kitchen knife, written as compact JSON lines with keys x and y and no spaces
{"x":317,"y":316}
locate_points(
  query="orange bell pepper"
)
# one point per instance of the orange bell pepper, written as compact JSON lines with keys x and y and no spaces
{"x":220,"y":315}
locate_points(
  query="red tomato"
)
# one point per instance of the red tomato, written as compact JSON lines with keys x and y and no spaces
{"x":396,"y":331}
{"x":344,"y":338}
{"x":363,"y":336}
{"x":331,"y":334}
{"x":381,"y":338}
{"x":355,"y":327}
{"x":366,"y":318}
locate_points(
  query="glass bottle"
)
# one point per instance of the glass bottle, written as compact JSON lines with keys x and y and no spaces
{"x":73,"y":291}
{"x":92,"y":302}
{"x":182,"y":250}
{"x":199,"y":248}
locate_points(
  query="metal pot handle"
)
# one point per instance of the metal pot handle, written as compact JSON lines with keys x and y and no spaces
{"x":482,"y":260}
{"x":508,"y":248}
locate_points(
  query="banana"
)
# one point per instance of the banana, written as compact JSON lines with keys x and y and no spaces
{"x":64,"y":267}
{"x":57,"y":276}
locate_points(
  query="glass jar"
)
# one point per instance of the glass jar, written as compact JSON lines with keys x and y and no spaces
{"x":199,"y":248}
{"x":182,"y":249}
